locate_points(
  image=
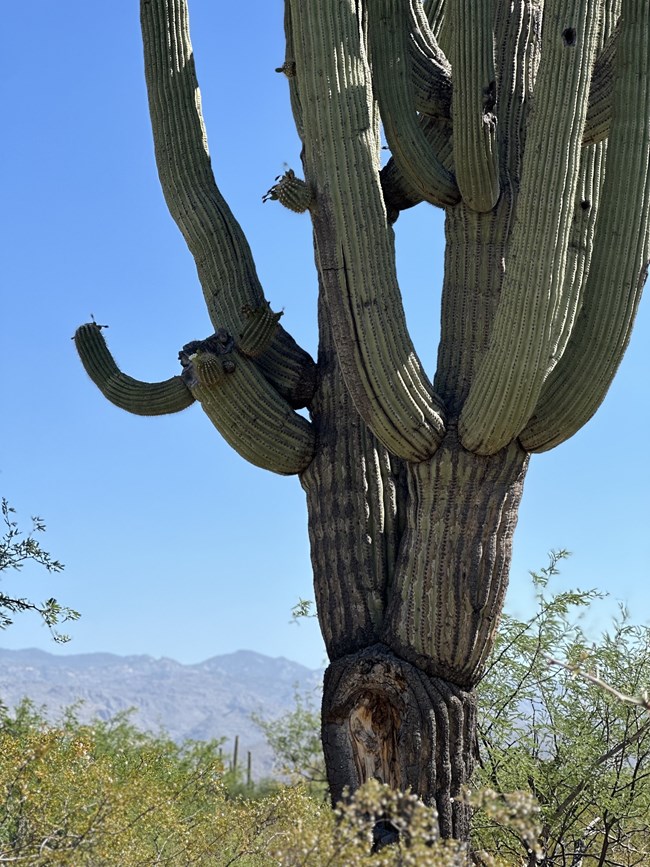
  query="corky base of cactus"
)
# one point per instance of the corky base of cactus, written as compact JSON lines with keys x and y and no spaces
{"x":385,"y":719}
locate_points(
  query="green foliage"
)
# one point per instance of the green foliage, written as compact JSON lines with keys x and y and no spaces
{"x":106,"y":794}
{"x":347,"y":837}
{"x":295,"y":740}
{"x":302,"y":608}
{"x":564,"y":771}
{"x":16,"y":550}
{"x":564,"y":776}
{"x":581,"y":752}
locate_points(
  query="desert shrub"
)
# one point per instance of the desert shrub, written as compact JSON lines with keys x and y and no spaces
{"x":563,"y":778}
{"x":107,"y":794}
{"x":295,"y":740}
{"x":581,"y":752}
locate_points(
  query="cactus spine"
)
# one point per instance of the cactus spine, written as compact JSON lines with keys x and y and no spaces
{"x":528,"y":122}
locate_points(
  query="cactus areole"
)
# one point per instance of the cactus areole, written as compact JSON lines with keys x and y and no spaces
{"x":529,"y":123}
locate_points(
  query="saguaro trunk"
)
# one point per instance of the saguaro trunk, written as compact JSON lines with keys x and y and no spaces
{"x":410,"y":568}
{"x":527,"y":121}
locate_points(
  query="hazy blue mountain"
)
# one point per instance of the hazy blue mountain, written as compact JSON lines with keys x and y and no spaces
{"x":212,"y":699}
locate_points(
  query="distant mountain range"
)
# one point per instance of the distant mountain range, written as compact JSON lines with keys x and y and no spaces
{"x":212,"y":699}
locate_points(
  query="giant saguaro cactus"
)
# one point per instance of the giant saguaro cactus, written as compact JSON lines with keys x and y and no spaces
{"x":528,"y":121}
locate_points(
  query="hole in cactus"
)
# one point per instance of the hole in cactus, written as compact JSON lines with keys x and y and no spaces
{"x":569,"y":36}
{"x":585,"y":204}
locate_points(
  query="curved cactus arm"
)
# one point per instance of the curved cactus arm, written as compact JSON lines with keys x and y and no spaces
{"x":223,"y":258}
{"x":381,"y":370}
{"x":532,"y":313}
{"x":619,"y":264}
{"x":434,"y":11}
{"x":389,"y":26}
{"x":473,"y":103}
{"x":399,"y":194}
{"x":599,"y":110}
{"x":430,"y":69}
{"x":431,"y":82}
{"x":246,"y":410}
{"x":140,"y":398}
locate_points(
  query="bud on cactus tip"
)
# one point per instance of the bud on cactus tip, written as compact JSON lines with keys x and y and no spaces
{"x":292,"y":192}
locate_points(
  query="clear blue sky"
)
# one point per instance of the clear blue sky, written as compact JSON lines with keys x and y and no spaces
{"x":173,"y":545}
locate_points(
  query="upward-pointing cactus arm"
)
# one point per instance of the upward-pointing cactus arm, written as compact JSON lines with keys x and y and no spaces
{"x":389,"y":36}
{"x":223,"y":258}
{"x":532,"y":311}
{"x":355,"y":252}
{"x":619,"y":264}
{"x":587,"y":204}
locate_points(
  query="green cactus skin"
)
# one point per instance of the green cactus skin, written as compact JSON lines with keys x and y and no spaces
{"x":430,"y":69}
{"x":601,"y":93}
{"x":528,"y":122}
{"x":140,"y":398}
{"x":381,"y":369}
{"x":399,"y":194}
{"x":476,"y":157}
{"x":250,"y":415}
{"x":579,"y":383}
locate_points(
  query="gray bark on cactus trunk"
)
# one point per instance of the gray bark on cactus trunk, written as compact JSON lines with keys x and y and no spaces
{"x":385,"y":719}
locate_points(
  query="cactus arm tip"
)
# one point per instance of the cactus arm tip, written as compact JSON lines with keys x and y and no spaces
{"x":132,"y":395}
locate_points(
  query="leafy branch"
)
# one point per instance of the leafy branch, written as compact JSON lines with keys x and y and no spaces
{"x":17,"y":549}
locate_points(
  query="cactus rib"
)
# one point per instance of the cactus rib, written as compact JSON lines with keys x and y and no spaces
{"x":140,"y":398}
{"x":599,"y":110}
